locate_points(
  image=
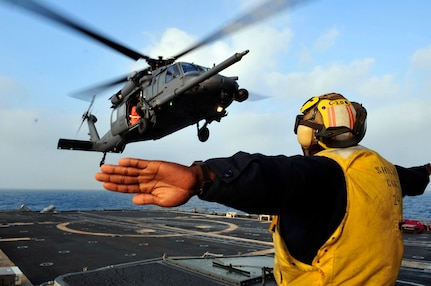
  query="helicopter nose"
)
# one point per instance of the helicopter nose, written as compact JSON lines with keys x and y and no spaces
{"x":225,"y":86}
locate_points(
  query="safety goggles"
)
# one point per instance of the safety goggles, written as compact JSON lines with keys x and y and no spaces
{"x":300,"y":121}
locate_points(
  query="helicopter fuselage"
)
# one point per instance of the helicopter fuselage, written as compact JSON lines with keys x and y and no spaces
{"x":167,"y":100}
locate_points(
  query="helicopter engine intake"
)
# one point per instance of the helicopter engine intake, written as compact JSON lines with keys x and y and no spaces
{"x":116,"y":99}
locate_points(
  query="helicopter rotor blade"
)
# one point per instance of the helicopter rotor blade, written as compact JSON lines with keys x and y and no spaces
{"x":86,"y":114}
{"x":85,"y":94}
{"x":259,"y":13}
{"x":55,"y":16}
{"x":91,"y":104}
{"x":80,"y":126}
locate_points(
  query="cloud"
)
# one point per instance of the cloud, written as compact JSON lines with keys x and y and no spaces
{"x":399,"y":131}
{"x":173,"y":40}
{"x":334,"y":77}
{"x":419,"y":72}
{"x":327,"y":39}
{"x":267,"y":45}
{"x":421,"y":59}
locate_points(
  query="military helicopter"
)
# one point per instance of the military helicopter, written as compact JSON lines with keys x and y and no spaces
{"x":155,"y":103}
{"x":167,"y":95}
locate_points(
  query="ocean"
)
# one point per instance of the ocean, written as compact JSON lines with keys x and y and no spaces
{"x":68,"y":200}
{"x":418,"y":207}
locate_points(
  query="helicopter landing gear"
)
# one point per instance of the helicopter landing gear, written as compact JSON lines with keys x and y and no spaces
{"x":103,"y":159}
{"x":203,"y":132}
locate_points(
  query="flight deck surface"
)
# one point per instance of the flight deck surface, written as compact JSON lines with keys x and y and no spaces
{"x":158,"y":246}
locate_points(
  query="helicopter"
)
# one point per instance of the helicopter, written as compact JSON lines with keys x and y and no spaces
{"x":153,"y":104}
{"x":167,"y":95}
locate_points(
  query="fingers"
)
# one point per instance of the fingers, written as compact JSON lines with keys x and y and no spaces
{"x":132,"y":162}
{"x":118,"y":174}
{"x":119,"y":178}
{"x":119,"y":170}
{"x":121,"y":188}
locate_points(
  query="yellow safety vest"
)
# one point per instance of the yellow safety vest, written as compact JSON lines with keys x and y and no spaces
{"x":367,"y":246}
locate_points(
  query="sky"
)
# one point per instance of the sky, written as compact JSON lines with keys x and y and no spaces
{"x":377,"y":53}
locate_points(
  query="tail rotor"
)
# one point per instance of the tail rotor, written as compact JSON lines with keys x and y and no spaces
{"x":86,"y":114}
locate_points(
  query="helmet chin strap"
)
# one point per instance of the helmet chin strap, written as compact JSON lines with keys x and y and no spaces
{"x":313,"y":149}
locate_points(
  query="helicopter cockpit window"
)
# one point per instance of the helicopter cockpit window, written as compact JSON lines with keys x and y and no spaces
{"x":188,"y":67}
{"x":201,"y":68}
{"x":172,"y":72}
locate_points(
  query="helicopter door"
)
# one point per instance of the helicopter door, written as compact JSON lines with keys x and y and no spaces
{"x":119,"y":119}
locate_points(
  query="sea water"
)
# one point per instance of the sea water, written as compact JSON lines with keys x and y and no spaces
{"x":68,"y":200}
{"x":418,"y":207}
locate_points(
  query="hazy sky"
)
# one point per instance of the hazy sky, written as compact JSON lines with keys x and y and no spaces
{"x":374,"y":52}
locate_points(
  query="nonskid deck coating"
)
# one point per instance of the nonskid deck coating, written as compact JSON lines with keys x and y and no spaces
{"x":48,"y":245}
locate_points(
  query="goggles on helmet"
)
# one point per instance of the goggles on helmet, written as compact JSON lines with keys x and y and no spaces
{"x":300,"y":121}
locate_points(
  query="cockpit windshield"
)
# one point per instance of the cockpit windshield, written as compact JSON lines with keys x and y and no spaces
{"x":202,"y":68}
{"x":172,"y":73}
{"x":187,"y":67}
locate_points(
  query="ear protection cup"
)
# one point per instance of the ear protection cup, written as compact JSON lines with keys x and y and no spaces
{"x":305,"y":136}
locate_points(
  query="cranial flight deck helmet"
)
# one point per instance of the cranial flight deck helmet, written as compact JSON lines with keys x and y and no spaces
{"x":331,"y":121}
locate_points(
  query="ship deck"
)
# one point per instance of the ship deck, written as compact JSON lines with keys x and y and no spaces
{"x":160,"y":247}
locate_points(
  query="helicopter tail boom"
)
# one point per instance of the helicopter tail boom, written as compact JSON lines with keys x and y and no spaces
{"x":70,"y":144}
{"x":83,"y":145}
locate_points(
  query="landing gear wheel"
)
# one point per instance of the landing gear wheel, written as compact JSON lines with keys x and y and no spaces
{"x":203,"y":134}
{"x":143,"y":125}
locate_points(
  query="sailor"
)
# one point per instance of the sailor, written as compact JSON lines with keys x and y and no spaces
{"x":134,"y":116}
{"x":337,"y":209}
